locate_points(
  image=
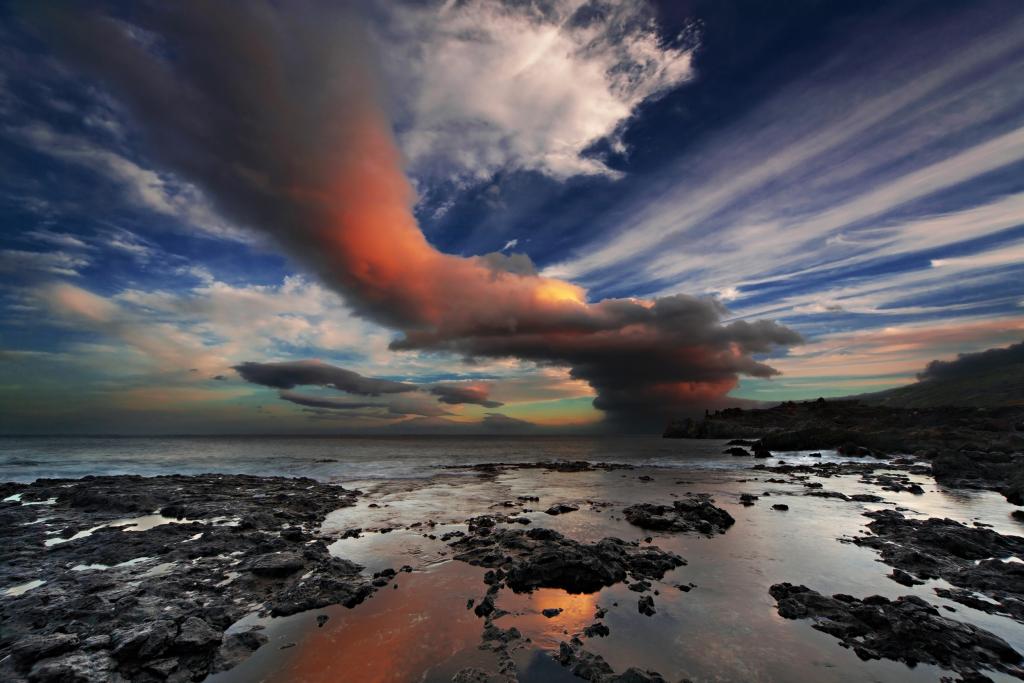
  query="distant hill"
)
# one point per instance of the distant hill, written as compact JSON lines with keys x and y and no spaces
{"x":987,"y":379}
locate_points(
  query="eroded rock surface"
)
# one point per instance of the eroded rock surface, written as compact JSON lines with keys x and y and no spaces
{"x":906,"y":629}
{"x":971,"y":558}
{"x":694,"y":514}
{"x":153,"y":602}
{"x":544,"y":558}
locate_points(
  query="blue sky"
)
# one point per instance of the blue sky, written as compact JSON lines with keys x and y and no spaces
{"x":853,"y":171}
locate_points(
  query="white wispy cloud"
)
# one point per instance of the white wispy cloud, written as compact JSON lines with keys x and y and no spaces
{"x":161,"y":193}
{"x":488,"y":85}
{"x":800,"y":184}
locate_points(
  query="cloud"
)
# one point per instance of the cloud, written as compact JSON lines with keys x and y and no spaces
{"x":143,"y":187}
{"x":969,"y":365}
{"x":503,"y":423}
{"x":326,"y":182}
{"x":290,"y":374}
{"x":469,"y":392}
{"x":59,"y":239}
{"x":493,"y":85}
{"x":21,"y":262}
{"x":796,"y":187}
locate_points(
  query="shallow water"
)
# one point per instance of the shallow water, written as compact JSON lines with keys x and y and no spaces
{"x":329,"y":458}
{"x":724,"y":629}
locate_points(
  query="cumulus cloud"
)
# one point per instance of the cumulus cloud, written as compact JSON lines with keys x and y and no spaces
{"x":290,"y":374}
{"x":969,"y":365}
{"x":493,"y":85}
{"x":326,"y":181}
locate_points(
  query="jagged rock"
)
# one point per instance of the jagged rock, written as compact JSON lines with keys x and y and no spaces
{"x":561,"y":508}
{"x":236,"y":543}
{"x":592,"y":667}
{"x":696,"y":513}
{"x":543,"y":558}
{"x":907,"y":629}
{"x":967,"y":557}
{"x":646,"y":605}
{"x":33,"y":648}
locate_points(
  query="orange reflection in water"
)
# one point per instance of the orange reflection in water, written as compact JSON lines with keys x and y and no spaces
{"x":577,"y":613}
{"x":394,"y":637}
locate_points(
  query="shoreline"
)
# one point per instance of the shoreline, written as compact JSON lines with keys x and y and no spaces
{"x":312,"y":554}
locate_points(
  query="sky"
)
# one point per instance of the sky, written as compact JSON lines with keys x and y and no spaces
{"x":497,"y":217}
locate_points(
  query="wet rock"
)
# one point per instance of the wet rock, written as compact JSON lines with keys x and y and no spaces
{"x":866,"y":498}
{"x":236,"y":648}
{"x":737,"y":451}
{"x":74,"y":667}
{"x":827,"y":494}
{"x":901,"y":577}
{"x":592,"y":667}
{"x":646,"y":605}
{"x":543,"y":558}
{"x":782,"y":507}
{"x":907,"y":629}
{"x":32,"y":648}
{"x":967,"y":557}
{"x":551,"y":612}
{"x":162,"y":606}
{"x":561,"y":508}
{"x":596,"y":630}
{"x":196,"y":633}
{"x":277,"y":564}
{"x":761,"y":450}
{"x":747,"y":499}
{"x":694,"y":514}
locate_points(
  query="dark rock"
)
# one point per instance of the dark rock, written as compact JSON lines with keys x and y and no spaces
{"x":195,"y":633}
{"x":561,"y":508}
{"x":693,"y":514}
{"x":907,"y":629}
{"x":737,"y":451}
{"x":747,"y":499}
{"x":901,"y":577}
{"x":32,"y":648}
{"x":74,"y":667}
{"x":646,"y":605}
{"x":543,"y":558}
{"x":966,"y":557}
{"x":596,"y":630}
{"x":780,"y":506}
{"x":592,"y":667}
{"x":551,"y":612}
{"x":277,"y":564}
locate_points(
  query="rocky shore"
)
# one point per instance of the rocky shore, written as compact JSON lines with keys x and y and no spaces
{"x":127,"y":578}
{"x":133,"y":578}
{"x":968,"y":447}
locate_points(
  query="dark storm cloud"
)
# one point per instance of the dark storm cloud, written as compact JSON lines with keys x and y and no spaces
{"x":275,"y":114}
{"x":288,"y":375}
{"x":393,"y":405}
{"x":968,"y":365}
{"x":455,"y":394}
{"x":326,"y":401}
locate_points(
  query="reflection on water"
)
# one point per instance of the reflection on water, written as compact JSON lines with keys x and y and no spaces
{"x":725,"y":629}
